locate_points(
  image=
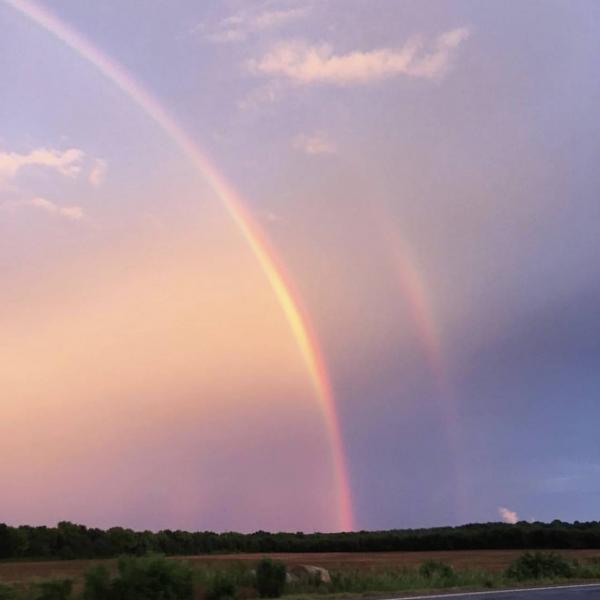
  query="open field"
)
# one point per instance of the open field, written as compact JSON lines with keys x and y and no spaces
{"x":488,"y":560}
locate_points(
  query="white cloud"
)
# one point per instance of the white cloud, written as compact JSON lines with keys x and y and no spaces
{"x":303,"y":63}
{"x":66,"y":162}
{"x":277,"y":18}
{"x":98,"y":172}
{"x":317,"y":143}
{"x":508,"y":516}
{"x":71,"y":213}
{"x":240,"y":26}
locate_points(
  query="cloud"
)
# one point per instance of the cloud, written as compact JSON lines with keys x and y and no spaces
{"x":240,"y":26}
{"x":309,"y":64}
{"x":66,"y":162}
{"x":98,"y":172}
{"x":71,"y":213}
{"x":317,"y":143}
{"x":508,"y":516}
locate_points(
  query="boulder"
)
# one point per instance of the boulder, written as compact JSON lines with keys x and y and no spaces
{"x":290,"y":578}
{"x":299,"y":572}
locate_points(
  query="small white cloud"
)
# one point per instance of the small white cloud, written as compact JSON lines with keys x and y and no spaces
{"x":508,"y":516}
{"x":98,"y":172}
{"x":306,"y":64}
{"x":317,"y":143}
{"x":65,"y":162}
{"x":71,"y":213}
{"x":240,"y":26}
{"x":276,"y":18}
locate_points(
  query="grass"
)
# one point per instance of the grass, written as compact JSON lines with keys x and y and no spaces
{"x":492,"y":561}
{"x":371,"y":577}
{"x":431,"y":576}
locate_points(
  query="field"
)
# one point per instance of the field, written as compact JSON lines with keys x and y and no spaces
{"x":492,"y":561}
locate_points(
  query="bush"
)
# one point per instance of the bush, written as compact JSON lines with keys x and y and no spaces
{"x":148,"y":578}
{"x":54,"y":589}
{"x":7,"y":592}
{"x":270,"y":578}
{"x":432,"y":569}
{"x":97,"y":584}
{"x":538,"y":565}
{"x":222,"y":587}
{"x":153,"y":578}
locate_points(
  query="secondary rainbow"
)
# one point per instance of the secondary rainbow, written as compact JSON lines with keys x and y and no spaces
{"x":413,"y":288}
{"x":273,"y":271}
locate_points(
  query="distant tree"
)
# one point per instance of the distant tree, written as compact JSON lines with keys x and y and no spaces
{"x":6,"y":547}
{"x":69,"y":540}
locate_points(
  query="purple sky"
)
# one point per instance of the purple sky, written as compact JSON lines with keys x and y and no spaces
{"x":427,"y":174}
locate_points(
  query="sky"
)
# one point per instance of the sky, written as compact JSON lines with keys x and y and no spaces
{"x":319,"y":265}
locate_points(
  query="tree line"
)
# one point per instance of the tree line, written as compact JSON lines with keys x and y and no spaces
{"x":69,"y":541}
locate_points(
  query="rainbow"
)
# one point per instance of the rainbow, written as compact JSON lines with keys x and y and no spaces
{"x":412,"y":287}
{"x":280,"y":284}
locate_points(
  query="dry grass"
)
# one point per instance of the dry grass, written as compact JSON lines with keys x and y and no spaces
{"x":488,"y":560}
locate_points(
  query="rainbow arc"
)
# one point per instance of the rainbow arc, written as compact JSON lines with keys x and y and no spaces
{"x":274,"y":272}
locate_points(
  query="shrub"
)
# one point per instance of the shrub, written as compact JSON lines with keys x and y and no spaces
{"x":7,"y":592}
{"x":97,"y":584}
{"x":488,"y":582}
{"x":147,"y":578}
{"x":54,"y":589}
{"x":222,"y":587}
{"x":538,"y":565}
{"x":432,"y":569}
{"x":270,"y":578}
{"x":153,"y":578}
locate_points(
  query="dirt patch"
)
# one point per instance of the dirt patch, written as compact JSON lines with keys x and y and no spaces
{"x":489,"y":560}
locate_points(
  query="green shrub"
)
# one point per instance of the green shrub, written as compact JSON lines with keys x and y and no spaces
{"x":54,"y":589}
{"x":147,"y":578}
{"x":222,"y":587}
{"x":97,"y":584}
{"x":153,"y":578}
{"x":7,"y":592}
{"x":488,"y":582}
{"x":434,"y":569}
{"x":539,"y":565}
{"x":270,"y":578}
